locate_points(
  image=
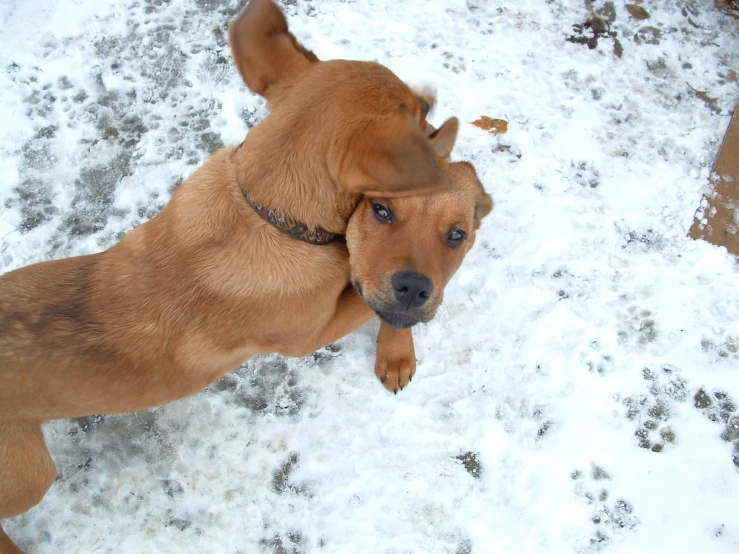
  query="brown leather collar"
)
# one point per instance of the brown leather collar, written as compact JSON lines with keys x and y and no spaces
{"x":288,"y":224}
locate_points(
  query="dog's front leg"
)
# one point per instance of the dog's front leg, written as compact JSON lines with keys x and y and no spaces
{"x":395,"y":361}
{"x":350,"y":314}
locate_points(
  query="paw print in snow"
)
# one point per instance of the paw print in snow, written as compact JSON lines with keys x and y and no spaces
{"x":454,"y":63}
{"x":597,"y":362}
{"x":728,"y":348}
{"x":638,"y":325}
{"x":585,"y":175}
{"x":653,"y":410}
{"x":609,"y":516}
{"x":720,"y":408}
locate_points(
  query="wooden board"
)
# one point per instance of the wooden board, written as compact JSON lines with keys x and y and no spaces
{"x":717,"y":219}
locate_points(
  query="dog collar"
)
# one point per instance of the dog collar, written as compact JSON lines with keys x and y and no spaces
{"x":289,"y":225}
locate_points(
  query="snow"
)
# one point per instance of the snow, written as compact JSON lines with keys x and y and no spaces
{"x":583,"y":322}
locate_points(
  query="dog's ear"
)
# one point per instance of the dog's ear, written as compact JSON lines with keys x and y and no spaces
{"x":389,"y":157}
{"x":442,"y":139}
{"x":483,"y":206}
{"x":268,"y":57}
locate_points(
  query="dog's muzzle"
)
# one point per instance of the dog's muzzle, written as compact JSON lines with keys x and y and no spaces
{"x":409,"y":304}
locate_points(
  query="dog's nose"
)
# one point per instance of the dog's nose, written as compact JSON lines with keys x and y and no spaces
{"x":411,"y":289}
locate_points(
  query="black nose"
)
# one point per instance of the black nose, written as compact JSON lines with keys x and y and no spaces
{"x":412,"y":290}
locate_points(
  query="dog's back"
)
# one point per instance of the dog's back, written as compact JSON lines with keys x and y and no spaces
{"x":209,"y":282}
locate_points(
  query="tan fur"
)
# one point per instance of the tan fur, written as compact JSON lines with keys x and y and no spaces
{"x":415,"y":241}
{"x":207,"y":283}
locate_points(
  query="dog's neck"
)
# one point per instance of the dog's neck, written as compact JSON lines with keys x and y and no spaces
{"x":296,"y":188}
{"x":288,"y":224}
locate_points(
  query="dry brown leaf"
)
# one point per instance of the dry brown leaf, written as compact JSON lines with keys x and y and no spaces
{"x":709,"y":101}
{"x":493,"y":126}
{"x":729,"y":7}
{"x":637,"y":12}
{"x":618,"y":49}
{"x":731,"y":76}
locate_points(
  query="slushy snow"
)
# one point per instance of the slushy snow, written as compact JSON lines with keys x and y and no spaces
{"x":578,"y":391}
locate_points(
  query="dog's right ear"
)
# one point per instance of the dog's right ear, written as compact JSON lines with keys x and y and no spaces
{"x":391,"y":157}
{"x":442,"y":139}
{"x":267,"y":55}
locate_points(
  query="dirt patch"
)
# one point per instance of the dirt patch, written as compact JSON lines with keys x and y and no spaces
{"x":593,"y":30}
{"x":281,"y":478}
{"x":637,"y":11}
{"x":471,"y":463}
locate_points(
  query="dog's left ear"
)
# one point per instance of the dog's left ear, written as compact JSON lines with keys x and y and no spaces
{"x":390,"y":157}
{"x":483,"y":207}
{"x":267,"y":55}
{"x":442,"y":139}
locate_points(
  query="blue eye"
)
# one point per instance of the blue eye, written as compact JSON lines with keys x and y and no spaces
{"x":455,"y":237}
{"x":382,"y":213}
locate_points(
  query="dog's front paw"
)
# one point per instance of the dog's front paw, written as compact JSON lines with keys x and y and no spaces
{"x":395,"y":362}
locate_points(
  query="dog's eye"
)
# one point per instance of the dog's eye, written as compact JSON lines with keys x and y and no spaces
{"x":455,"y":237}
{"x":382,"y":213}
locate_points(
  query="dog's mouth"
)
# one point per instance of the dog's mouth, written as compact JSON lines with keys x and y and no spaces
{"x":394,"y":314}
{"x":396,"y":320}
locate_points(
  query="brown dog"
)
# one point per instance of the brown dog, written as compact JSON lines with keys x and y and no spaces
{"x":241,"y":261}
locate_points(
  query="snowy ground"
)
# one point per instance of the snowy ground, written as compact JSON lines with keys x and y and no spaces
{"x":578,"y":392}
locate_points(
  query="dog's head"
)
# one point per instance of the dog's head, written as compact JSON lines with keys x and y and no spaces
{"x":403,"y":251}
{"x":357,"y":121}
{"x":414,"y":214}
